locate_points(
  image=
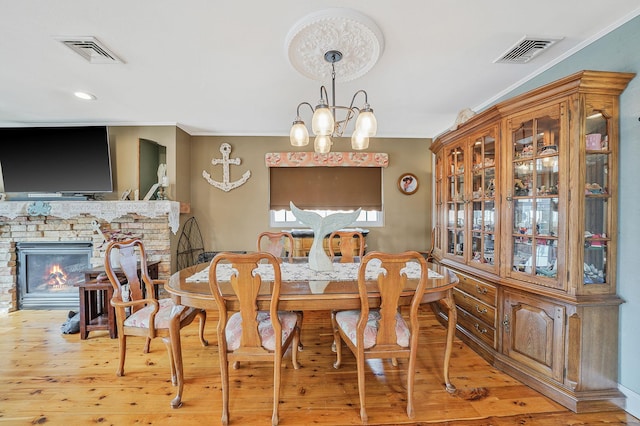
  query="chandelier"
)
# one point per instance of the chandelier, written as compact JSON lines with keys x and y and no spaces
{"x":331,"y":120}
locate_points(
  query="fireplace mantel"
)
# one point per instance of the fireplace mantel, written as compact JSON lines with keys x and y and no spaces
{"x":105,"y":210}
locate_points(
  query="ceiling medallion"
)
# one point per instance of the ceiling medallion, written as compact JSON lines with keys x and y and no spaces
{"x":351,"y":33}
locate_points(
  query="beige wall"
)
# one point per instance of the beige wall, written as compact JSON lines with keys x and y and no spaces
{"x":124,"y":154}
{"x":232,"y":220}
{"x":124,"y":141}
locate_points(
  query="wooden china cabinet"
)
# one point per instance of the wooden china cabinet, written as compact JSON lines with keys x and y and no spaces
{"x":526,"y":214}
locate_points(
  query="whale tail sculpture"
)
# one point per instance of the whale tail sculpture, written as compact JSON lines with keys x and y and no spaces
{"x":322,"y":226}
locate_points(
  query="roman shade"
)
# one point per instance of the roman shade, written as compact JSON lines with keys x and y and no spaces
{"x":326,"y":188}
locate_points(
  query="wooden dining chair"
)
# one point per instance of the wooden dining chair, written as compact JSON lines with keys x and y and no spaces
{"x":383,"y":332}
{"x":349,"y":242}
{"x":138,"y":312}
{"x":250,"y":334}
{"x":279,"y":244}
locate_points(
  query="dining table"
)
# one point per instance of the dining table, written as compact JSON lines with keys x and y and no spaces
{"x":303,"y":289}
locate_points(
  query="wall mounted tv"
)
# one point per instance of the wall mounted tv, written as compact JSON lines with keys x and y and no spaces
{"x":56,"y":160}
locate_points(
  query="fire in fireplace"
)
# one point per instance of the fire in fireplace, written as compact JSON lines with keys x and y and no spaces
{"x":48,"y":272}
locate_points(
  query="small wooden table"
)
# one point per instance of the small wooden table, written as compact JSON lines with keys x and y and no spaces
{"x":96,"y":313}
{"x":96,"y":271}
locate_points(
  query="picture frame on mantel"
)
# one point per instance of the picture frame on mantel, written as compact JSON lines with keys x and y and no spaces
{"x":408,"y":183}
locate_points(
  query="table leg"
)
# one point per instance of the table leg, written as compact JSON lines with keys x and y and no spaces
{"x":451,"y":331}
{"x":83,"y":313}
{"x":176,"y":349}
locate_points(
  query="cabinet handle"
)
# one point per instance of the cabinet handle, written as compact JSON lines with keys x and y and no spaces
{"x":509,"y":198}
{"x":481,"y":311}
{"x":480,"y":330}
{"x":505,"y":323}
{"x":481,"y":290}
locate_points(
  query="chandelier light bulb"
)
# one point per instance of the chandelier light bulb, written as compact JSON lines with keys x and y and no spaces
{"x":299,"y":134}
{"x":366,"y":123}
{"x":322,"y":122}
{"x":322,"y":144}
{"x":359,"y":141}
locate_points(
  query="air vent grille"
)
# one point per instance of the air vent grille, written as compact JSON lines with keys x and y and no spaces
{"x":91,"y":49}
{"x":526,"y":49}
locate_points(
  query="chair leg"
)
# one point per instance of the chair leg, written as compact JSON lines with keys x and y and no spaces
{"x":333,"y":344}
{"x":224,"y":376}
{"x":122,"y":340}
{"x":295,"y":347}
{"x":276,"y":387}
{"x":337,"y":342}
{"x":360,"y":365}
{"x":202,"y":316}
{"x":300,"y":318}
{"x":410,"y":381}
{"x":172,"y":361}
{"x":147,"y":346}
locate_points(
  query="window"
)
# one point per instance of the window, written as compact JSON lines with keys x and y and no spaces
{"x":367,"y":218}
{"x":326,"y":183}
{"x":326,"y":190}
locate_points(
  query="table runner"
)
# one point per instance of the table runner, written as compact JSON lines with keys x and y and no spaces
{"x":302,"y":272}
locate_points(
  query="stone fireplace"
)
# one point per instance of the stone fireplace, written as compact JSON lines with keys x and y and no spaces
{"x":41,"y":223}
{"x":47,"y":273}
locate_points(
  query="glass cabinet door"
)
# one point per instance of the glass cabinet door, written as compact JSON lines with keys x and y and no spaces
{"x":439,"y":185}
{"x":455,"y":220}
{"x":597,"y":213}
{"x":483,"y":196}
{"x":533,"y":197}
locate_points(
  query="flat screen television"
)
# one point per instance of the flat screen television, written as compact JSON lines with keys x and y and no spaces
{"x":56,"y":160}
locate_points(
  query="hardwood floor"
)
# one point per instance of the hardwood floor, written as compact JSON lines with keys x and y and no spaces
{"x":50,"y":378}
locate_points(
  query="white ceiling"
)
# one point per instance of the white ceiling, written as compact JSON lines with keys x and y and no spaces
{"x":221,"y":68}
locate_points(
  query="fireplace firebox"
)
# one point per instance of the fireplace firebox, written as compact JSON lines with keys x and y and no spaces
{"x":48,"y":272}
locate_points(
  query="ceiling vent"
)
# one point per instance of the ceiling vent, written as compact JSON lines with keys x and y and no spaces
{"x":526,"y":49}
{"x":91,"y":49}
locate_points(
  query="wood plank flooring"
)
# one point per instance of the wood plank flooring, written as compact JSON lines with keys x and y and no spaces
{"x":50,"y":378}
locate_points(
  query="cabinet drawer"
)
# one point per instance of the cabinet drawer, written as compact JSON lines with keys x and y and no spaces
{"x":479,"y":309}
{"x":478,"y":328}
{"x":478,"y":289}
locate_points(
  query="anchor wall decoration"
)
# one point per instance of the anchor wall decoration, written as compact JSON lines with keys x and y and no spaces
{"x":226,"y":185}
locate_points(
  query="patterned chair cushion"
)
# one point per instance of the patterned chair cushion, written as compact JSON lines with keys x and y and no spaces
{"x":267,"y":335}
{"x":141,"y":318}
{"x":348,"y":320}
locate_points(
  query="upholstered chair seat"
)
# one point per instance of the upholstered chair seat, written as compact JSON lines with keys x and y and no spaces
{"x":288,"y":320}
{"x":348,"y":321}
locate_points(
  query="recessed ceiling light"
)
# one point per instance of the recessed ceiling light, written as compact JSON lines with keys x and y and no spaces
{"x":85,"y":96}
